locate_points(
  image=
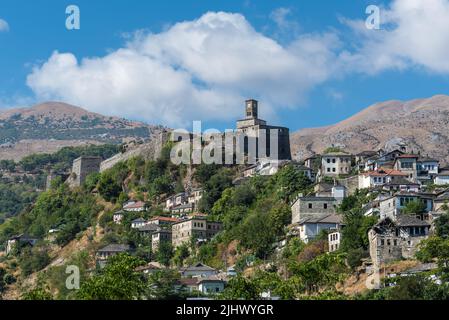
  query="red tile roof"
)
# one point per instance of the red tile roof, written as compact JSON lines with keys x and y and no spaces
{"x":138,"y":204}
{"x":409,"y":156}
{"x":168,"y":219}
{"x":385,"y":172}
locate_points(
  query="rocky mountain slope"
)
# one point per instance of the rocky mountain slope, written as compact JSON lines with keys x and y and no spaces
{"x":422,"y":124}
{"x":47,"y":127}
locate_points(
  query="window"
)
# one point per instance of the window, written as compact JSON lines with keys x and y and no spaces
{"x":328,"y":160}
{"x":325,"y":206}
{"x":382,"y":242}
{"x":310,"y":206}
{"x":333,"y":160}
{"x":328,"y":169}
{"x":333,"y":170}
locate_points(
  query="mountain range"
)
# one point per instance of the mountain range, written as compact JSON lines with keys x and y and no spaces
{"x":422,"y":124}
{"x":47,"y":127}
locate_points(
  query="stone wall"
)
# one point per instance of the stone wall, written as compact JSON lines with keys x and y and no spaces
{"x":149,"y":151}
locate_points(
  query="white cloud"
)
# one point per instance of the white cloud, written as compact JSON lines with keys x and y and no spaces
{"x":204,"y":69}
{"x":414,"y":33}
{"x":4,"y":26}
{"x":201,"y":69}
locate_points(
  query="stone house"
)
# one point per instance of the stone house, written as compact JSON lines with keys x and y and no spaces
{"x":176,"y":200}
{"x":195,"y":196}
{"x":196,"y":227}
{"x":160,"y":236}
{"x":135,"y":206}
{"x":336,"y":163}
{"x":110,"y":250}
{"x":211,"y":285}
{"x":198,"y":270}
{"x":138,"y":223}
{"x":147,"y":229}
{"x":402,"y":184}
{"x":380,"y":177}
{"x":442,"y":178}
{"x":441,"y":202}
{"x":150,"y":268}
{"x":162,"y":221}
{"x":391,"y":206}
{"x":309,"y":206}
{"x":383,"y":159}
{"x":311,"y":227}
{"x":313,"y":162}
{"x":182,"y":209}
{"x":391,"y":240}
{"x":362,"y":157}
{"x":408,"y":163}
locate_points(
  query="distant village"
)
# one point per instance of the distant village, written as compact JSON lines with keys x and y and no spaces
{"x":397,"y":177}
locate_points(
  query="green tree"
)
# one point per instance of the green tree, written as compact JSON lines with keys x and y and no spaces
{"x":213,"y":188}
{"x":414,"y":207}
{"x":241,"y":288}
{"x":442,"y":226}
{"x":117,"y":281}
{"x":108,"y":188}
{"x":162,"y":285}
{"x":256,"y":233}
{"x":181,"y":253}
{"x":37,"y":294}
{"x":290,"y":181}
{"x":165,"y":253}
{"x":435,"y":248}
{"x":204,"y":172}
{"x":92,"y":181}
{"x":332,"y":150}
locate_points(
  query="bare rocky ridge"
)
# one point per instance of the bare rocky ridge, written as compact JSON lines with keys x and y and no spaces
{"x":47,"y":127}
{"x":423,"y":124}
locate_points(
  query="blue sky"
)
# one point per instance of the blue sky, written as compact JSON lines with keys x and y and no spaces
{"x":318,"y":64}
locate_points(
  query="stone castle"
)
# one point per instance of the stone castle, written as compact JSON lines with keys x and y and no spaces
{"x":251,"y":127}
{"x":254,"y":128}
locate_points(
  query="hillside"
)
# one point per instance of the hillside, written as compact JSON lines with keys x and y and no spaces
{"x":47,"y":127}
{"x":422,"y":124}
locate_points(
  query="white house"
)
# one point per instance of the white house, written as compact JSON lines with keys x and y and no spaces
{"x":334,"y":239}
{"x":310,"y":227}
{"x":336,"y":163}
{"x":138,"y":223}
{"x":118,"y":217}
{"x":430,"y":166}
{"x":198,"y":270}
{"x":195,"y":196}
{"x":211,"y":285}
{"x":442,"y":178}
{"x":391,"y":207}
{"x":133,"y":206}
{"x":380,"y":177}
